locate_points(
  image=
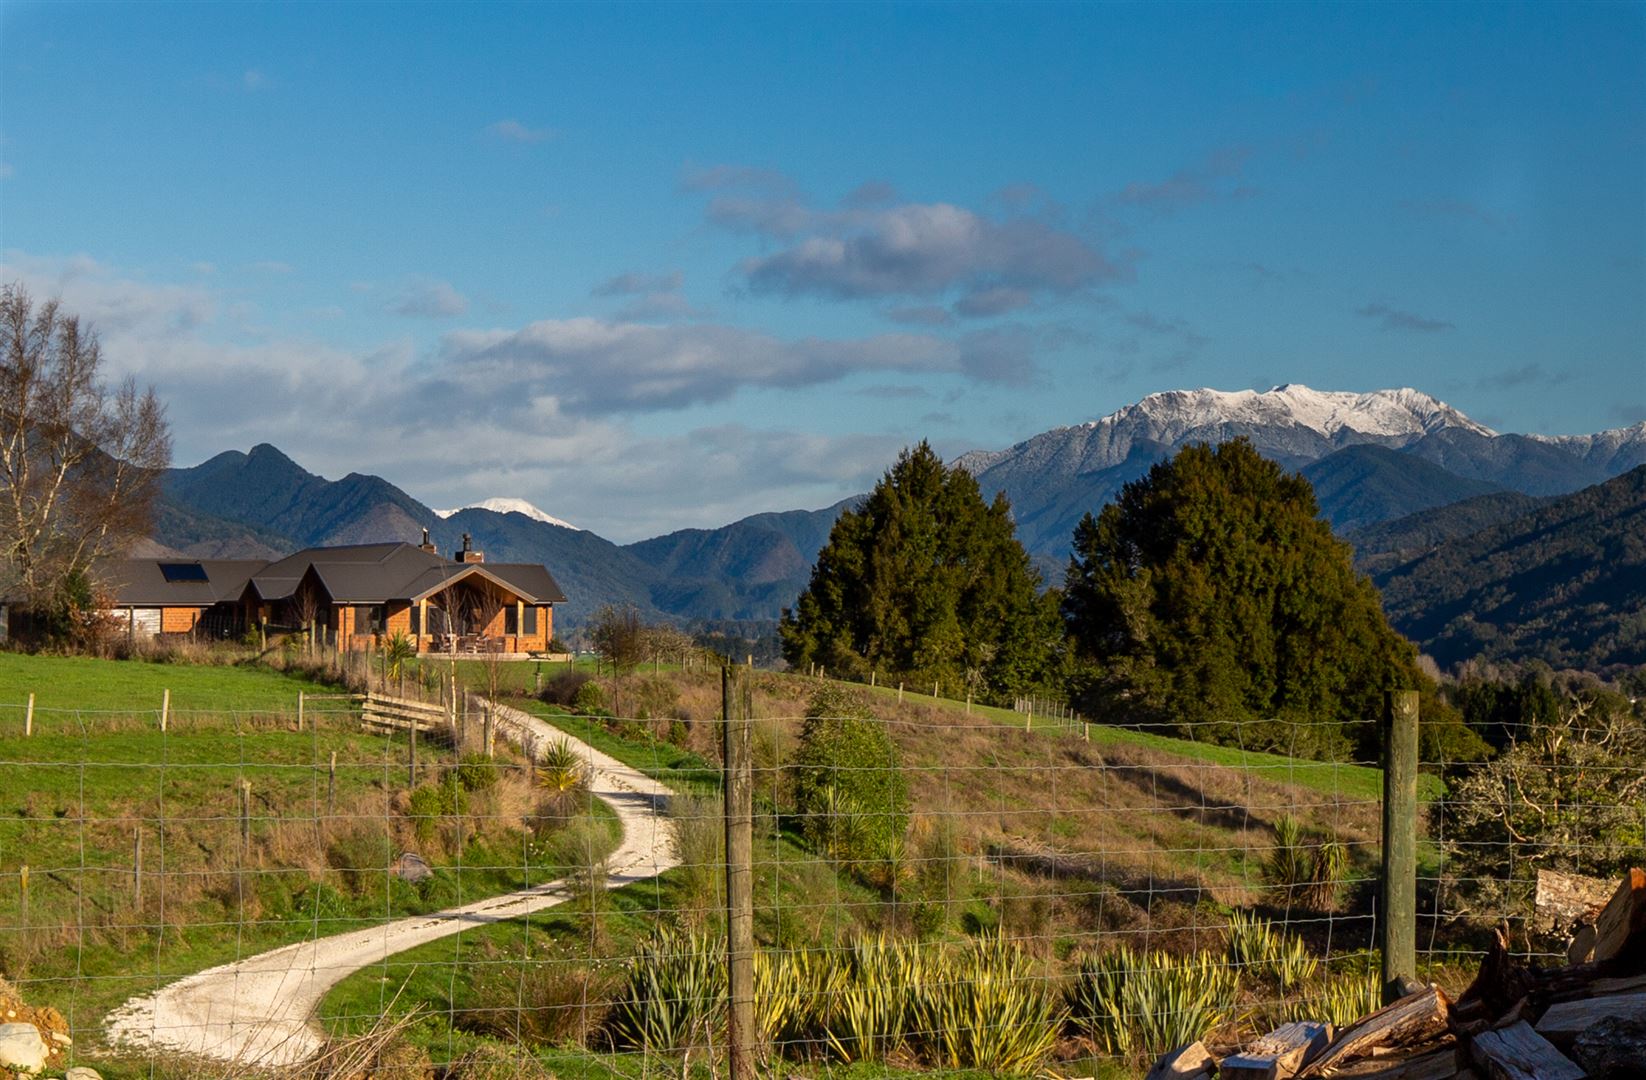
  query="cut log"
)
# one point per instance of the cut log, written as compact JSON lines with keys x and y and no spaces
{"x":1563,"y":901}
{"x":1184,"y":1063}
{"x":1519,"y":1053}
{"x":1612,"y":1050}
{"x":1623,"y":922}
{"x":1432,"y":1065}
{"x":1617,"y":986}
{"x":1582,"y":946}
{"x":1279,"y":1054}
{"x":1501,"y":981}
{"x":1566,"y":1020}
{"x":1414,"y":1019}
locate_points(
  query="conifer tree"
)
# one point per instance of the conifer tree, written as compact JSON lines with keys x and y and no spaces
{"x":926,"y":581}
{"x":1211,"y":601}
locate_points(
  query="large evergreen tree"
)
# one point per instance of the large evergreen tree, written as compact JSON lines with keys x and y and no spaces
{"x":1211,"y":601}
{"x":926,"y":581}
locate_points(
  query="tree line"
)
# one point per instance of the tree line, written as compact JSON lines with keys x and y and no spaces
{"x":1209,"y":601}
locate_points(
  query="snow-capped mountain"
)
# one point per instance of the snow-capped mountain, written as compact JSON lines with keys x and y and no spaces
{"x":502,"y":505}
{"x":1392,"y":452}
{"x":1290,"y":422}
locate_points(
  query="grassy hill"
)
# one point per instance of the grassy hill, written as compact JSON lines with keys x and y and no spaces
{"x":137,"y":870}
{"x":1063,"y":842}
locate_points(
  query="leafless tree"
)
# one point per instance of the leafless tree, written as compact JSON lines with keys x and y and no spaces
{"x":619,"y":637}
{"x":80,"y":464}
{"x":305,"y":610}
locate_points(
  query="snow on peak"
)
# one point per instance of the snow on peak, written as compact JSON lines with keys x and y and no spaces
{"x":1392,"y":413}
{"x":502,"y":505}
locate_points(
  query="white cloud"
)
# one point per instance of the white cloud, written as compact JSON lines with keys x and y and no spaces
{"x":536,"y":411}
{"x":515,"y":131}
{"x":428,"y":299}
{"x":592,"y":366}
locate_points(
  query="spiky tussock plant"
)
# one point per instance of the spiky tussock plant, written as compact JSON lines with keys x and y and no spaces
{"x":1340,"y":999}
{"x":1256,"y":946}
{"x":987,"y":1008}
{"x":870,"y":1014}
{"x":675,"y":997}
{"x":1150,"y":1002}
{"x":1306,"y":866}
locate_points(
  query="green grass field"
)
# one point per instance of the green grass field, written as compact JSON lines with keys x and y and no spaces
{"x":136,"y":686}
{"x":92,"y":795}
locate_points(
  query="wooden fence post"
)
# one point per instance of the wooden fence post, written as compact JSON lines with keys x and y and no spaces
{"x":165,"y":708}
{"x":1399,"y":908}
{"x":900,"y":693}
{"x":245,"y":815}
{"x":739,"y":795}
{"x":411,"y":752}
{"x":137,"y":867}
{"x":300,"y":710}
{"x":28,"y":717}
{"x":331,"y":786}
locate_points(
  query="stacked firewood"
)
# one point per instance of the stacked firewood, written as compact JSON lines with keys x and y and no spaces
{"x":1586,"y":1018}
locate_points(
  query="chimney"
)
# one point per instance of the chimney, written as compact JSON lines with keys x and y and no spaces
{"x":425,"y":546}
{"x":468,"y":554}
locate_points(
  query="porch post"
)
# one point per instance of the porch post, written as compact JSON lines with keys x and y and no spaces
{"x":422,"y":621}
{"x":519,"y":624}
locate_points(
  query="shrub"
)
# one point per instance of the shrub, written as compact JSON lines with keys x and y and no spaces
{"x":562,"y":687}
{"x":589,"y":698}
{"x":1568,"y":795}
{"x":537,"y":1003}
{"x":1306,"y":867}
{"x":476,"y":772}
{"x":849,"y":785}
{"x":361,"y":855}
{"x":1151,"y":1002}
{"x":871,"y":1014}
{"x":700,"y":844}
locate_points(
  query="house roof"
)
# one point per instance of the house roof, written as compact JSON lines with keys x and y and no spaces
{"x":352,"y":574}
{"x":178,"y":582}
{"x":374,"y":573}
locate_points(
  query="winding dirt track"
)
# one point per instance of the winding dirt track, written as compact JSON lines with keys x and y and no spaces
{"x":259,"y":1010}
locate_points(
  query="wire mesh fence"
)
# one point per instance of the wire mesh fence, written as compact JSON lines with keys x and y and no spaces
{"x":530,"y":888}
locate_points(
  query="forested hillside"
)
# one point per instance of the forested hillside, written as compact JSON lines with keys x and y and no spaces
{"x":1565,"y":584}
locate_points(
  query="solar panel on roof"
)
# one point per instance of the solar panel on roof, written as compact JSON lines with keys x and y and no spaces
{"x":183,"y":571}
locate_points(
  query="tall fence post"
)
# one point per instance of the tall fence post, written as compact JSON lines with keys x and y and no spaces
{"x":1398,"y":925}
{"x":165,"y":708}
{"x":28,"y":717}
{"x":739,"y":815}
{"x":300,"y":710}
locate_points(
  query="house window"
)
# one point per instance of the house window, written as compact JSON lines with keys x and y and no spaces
{"x":416,"y":619}
{"x":511,"y":620}
{"x":531,"y":621}
{"x":368,"y":618}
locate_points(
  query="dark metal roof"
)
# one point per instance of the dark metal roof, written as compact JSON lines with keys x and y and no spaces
{"x":142,"y":582}
{"x":375,"y":573}
{"x":354,"y":574}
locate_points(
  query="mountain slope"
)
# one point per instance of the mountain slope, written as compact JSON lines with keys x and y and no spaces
{"x":1388,"y":544}
{"x":1366,"y":484}
{"x":1565,"y":584}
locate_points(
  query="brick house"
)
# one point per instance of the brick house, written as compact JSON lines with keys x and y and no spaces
{"x":353,"y":596}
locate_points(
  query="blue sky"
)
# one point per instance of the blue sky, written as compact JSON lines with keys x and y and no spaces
{"x":662,"y":266}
